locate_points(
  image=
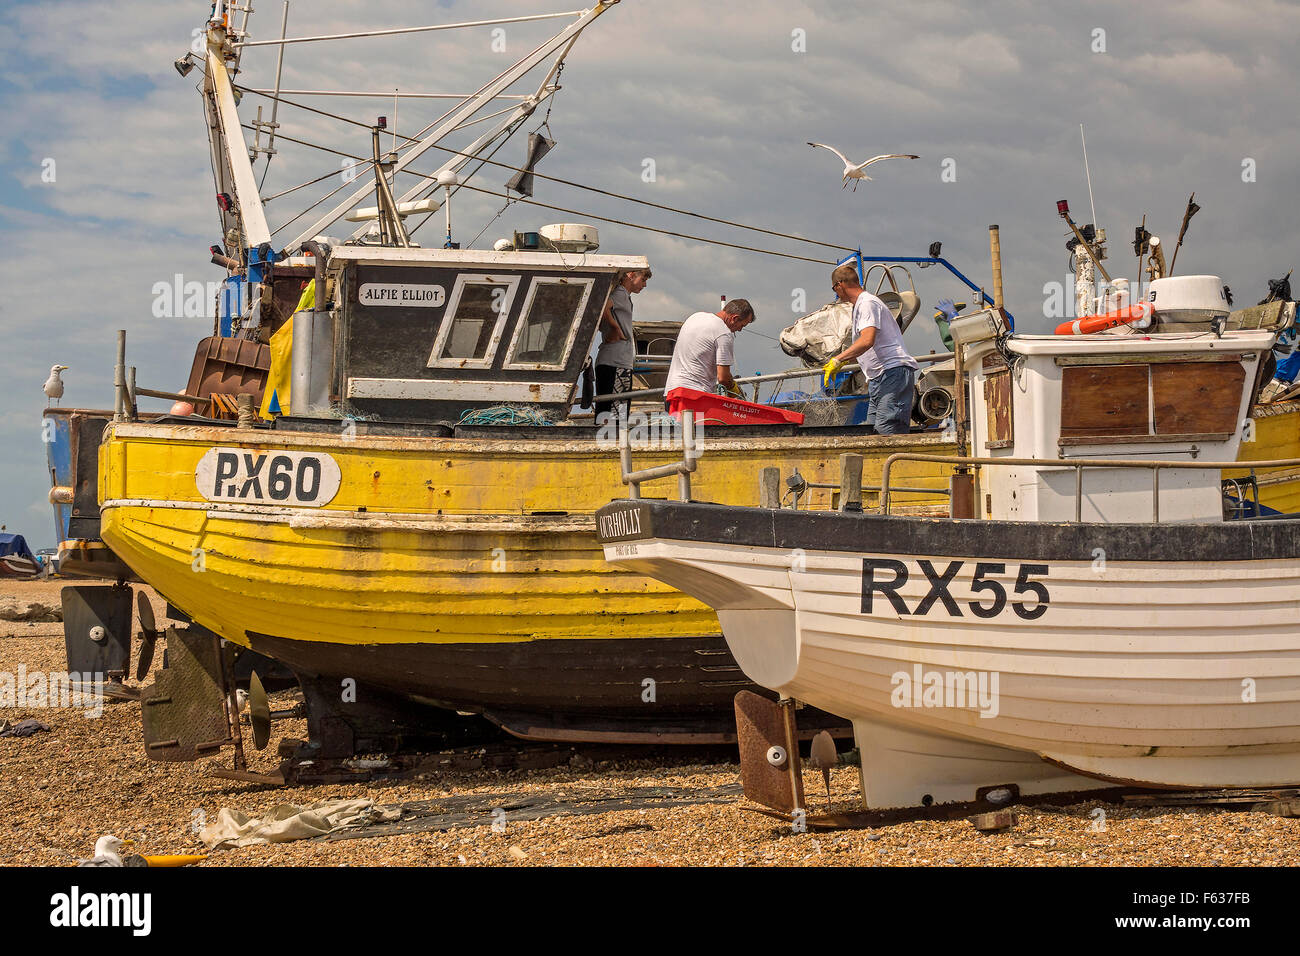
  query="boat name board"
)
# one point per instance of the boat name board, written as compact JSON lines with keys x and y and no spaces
{"x":402,"y":294}
{"x":994,"y":592}
{"x":620,"y":524}
{"x":306,"y":479}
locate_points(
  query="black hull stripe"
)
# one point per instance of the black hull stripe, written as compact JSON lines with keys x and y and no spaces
{"x":943,"y":537}
{"x":695,"y":676}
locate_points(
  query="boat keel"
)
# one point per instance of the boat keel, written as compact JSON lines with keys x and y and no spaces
{"x":906,"y":767}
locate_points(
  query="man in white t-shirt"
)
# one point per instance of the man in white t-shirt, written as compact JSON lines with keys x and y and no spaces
{"x":879,"y":349}
{"x":704,"y":352}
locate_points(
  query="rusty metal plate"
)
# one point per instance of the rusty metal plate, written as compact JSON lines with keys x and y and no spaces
{"x":761,"y":725}
{"x":183,"y":710}
{"x":97,"y":629}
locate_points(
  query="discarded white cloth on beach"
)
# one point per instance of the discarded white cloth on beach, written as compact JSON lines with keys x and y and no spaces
{"x":286,"y":821}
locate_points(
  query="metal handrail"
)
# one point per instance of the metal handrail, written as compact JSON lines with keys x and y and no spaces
{"x":754,"y":379}
{"x":1078,"y":464}
{"x":901,"y":489}
{"x":682,"y":469}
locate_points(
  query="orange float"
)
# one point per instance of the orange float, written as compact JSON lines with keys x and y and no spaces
{"x":1138,"y":312}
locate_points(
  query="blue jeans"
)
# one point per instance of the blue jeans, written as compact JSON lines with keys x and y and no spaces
{"x":892,"y":394}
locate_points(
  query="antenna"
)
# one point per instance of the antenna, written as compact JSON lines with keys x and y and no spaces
{"x":1088,"y":172}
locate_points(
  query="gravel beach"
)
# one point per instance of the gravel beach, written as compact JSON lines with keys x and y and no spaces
{"x":88,"y":776}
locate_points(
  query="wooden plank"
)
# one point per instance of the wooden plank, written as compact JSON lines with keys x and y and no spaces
{"x":1104,"y":401}
{"x":462,"y":390}
{"x":1194,"y":397}
{"x":997,"y":402}
{"x":1148,"y":359}
{"x":769,"y":488}
{"x":850,"y":481}
{"x":1269,"y":317}
{"x":1187,"y":798}
{"x":1145,"y":439}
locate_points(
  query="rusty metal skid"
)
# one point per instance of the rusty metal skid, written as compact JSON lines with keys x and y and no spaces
{"x":184,"y":710}
{"x":770,"y":769}
{"x":97,"y":630}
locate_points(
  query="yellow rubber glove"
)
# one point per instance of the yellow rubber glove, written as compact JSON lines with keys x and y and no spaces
{"x":829,"y":371}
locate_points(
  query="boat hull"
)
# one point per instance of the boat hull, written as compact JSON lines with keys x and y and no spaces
{"x":452,"y":541}
{"x":459,"y":573}
{"x":1161,"y":655}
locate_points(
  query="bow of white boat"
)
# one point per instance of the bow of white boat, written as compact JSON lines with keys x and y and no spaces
{"x":748,"y":586}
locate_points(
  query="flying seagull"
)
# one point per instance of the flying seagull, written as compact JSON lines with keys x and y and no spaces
{"x":53,"y":386}
{"x":855,"y":172}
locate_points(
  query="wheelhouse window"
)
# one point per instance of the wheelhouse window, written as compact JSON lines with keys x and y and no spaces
{"x":471,"y":329}
{"x":550,"y":319}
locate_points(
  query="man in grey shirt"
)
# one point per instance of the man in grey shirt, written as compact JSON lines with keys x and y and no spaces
{"x":617,"y":352}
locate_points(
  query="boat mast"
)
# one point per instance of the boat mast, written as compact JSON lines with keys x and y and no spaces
{"x":562,"y":40}
{"x":242,"y":218}
{"x":245,"y":233}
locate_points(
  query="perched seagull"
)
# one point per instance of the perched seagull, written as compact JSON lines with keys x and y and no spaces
{"x":108,"y":852}
{"x":855,"y":172}
{"x":53,"y":386}
{"x":107,"y":848}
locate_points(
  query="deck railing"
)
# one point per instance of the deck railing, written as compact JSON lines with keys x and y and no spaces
{"x":1079,"y":464}
{"x":682,"y":469}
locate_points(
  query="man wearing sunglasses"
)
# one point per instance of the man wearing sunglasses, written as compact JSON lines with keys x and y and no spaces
{"x":878,"y":347}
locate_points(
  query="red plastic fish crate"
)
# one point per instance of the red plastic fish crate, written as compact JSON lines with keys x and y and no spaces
{"x":727,"y":410}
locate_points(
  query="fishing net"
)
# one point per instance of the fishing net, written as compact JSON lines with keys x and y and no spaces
{"x":503,"y":415}
{"x":818,"y":408}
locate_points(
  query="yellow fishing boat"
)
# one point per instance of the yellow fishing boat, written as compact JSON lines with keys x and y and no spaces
{"x":460,"y":571}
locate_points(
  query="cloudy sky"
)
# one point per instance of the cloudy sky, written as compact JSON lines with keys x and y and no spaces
{"x":105,"y":189}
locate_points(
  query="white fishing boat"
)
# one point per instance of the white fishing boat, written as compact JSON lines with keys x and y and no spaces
{"x":1099,"y":623}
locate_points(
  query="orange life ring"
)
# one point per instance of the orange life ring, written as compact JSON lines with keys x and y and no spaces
{"x":1138,"y":312}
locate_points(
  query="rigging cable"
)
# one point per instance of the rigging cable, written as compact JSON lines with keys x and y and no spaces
{"x":567,"y":182}
{"x":312,"y":182}
{"x":633,"y":225}
{"x":575,"y":212}
{"x":654,"y":205}
{"x":505,"y":139}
